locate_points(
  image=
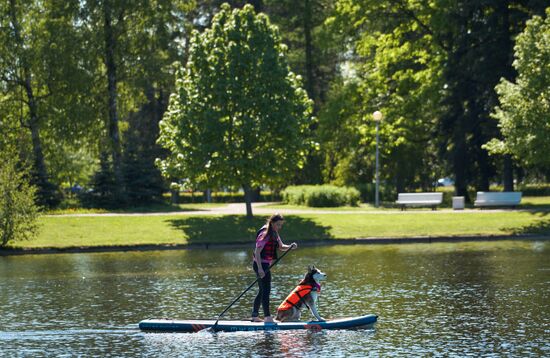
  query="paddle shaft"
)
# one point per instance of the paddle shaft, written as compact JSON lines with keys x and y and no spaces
{"x":249,"y":287}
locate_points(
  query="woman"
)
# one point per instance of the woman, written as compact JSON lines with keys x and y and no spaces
{"x":267,"y":243}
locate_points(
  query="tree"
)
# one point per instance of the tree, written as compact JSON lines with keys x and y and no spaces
{"x":103,"y":194}
{"x":143,"y":181}
{"x":431,"y":67}
{"x":18,"y":212}
{"x":314,"y":50}
{"x":105,"y":21}
{"x":392,"y":65}
{"x":310,"y":52}
{"x":239,"y":116}
{"x":153,"y":37}
{"x":19,"y":63}
{"x":524,"y":111}
{"x":134,"y":44}
{"x":46,"y":85}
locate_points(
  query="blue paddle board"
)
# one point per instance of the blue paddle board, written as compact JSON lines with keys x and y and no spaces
{"x":167,"y":325}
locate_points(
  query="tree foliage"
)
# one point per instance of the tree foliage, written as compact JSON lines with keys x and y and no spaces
{"x":84,"y":85}
{"x":239,"y":116}
{"x":393,"y":66}
{"x":524,"y":110}
{"x":46,"y":83}
{"x":18,"y":212}
{"x":431,"y":68}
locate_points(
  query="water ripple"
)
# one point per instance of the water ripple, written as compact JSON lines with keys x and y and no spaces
{"x":486,"y":299}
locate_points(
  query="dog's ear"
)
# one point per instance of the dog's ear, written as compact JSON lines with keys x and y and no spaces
{"x":309,"y":269}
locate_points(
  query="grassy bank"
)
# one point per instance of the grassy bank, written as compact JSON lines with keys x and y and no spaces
{"x":70,"y":231}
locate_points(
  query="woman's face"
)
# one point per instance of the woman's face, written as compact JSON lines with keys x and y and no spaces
{"x":278,"y":225}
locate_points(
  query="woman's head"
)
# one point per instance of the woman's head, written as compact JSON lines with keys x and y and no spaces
{"x":275,"y":222}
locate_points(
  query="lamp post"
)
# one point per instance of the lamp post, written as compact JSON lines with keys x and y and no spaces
{"x":377,"y":117}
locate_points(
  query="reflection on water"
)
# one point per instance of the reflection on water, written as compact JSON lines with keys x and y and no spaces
{"x":481,"y":298}
{"x":283,"y":343}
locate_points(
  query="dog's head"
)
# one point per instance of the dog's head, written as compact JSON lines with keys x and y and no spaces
{"x":314,"y":274}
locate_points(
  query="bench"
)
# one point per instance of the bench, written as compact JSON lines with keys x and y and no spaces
{"x":419,"y":199}
{"x":498,"y":198}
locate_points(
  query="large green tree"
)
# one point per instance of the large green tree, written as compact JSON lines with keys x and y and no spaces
{"x":47,"y":86}
{"x":24,"y":80}
{"x":524,"y":110}
{"x":239,"y":116}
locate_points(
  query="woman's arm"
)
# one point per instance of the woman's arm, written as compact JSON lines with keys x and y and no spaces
{"x":285,"y":247}
{"x":258,"y":257}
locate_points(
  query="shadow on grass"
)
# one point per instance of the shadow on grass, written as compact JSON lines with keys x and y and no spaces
{"x":239,"y":229}
{"x":540,"y":227}
{"x":145,"y":209}
{"x":536,"y":208}
{"x":160,"y":208}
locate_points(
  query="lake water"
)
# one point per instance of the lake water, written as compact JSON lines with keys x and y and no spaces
{"x":463,"y":299}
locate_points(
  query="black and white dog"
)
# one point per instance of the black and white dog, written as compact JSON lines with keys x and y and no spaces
{"x":306,"y":293}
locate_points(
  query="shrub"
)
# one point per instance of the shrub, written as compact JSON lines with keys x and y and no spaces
{"x":321,"y":195}
{"x":387,"y":192}
{"x":18,"y":211}
{"x":534,"y":189}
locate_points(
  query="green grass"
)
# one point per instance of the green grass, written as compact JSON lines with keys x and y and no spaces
{"x":71,"y":231}
{"x":156,"y":208}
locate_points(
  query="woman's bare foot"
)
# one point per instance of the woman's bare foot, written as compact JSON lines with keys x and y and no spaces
{"x":269,"y":319}
{"x":256,"y":319}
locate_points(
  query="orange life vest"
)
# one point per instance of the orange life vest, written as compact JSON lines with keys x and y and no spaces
{"x":294,"y":298}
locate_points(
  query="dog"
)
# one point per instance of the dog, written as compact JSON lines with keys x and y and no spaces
{"x":306,"y":293}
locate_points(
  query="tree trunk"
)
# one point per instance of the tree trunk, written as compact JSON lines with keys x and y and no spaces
{"x":507,"y":50}
{"x":40,"y":173}
{"x":248,"y":200}
{"x":174,"y":196}
{"x":508,"y":173}
{"x":459,"y":161}
{"x":208,"y":196}
{"x":114,"y":136}
{"x":39,"y":163}
{"x":258,"y":5}
{"x":310,"y":80}
{"x":484,"y":169}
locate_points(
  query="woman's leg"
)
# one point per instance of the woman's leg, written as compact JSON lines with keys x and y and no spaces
{"x":266,"y":289}
{"x":258,"y":299}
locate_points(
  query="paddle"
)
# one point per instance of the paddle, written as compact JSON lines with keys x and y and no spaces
{"x":213,"y":328}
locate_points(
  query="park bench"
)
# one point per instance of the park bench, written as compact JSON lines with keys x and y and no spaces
{"x":498,"y":198}
{"x":419,"y":199}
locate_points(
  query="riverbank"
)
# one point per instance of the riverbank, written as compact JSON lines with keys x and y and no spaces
{"x":247,"y":245}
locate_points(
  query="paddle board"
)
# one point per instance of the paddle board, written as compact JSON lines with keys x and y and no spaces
{"x":167,"y":325}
